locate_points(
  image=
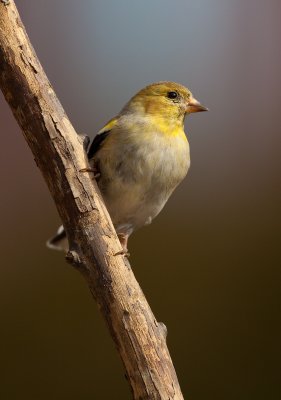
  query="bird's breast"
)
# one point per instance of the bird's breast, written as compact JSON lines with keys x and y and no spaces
{"x":139,"y":172}
{"x":152,"y":158}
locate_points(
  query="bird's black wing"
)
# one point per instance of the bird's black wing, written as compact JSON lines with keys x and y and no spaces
{"x":95,"y":145}
{"x":100,"y":137}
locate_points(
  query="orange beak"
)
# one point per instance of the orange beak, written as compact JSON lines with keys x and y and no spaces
{"x":194,"y":106}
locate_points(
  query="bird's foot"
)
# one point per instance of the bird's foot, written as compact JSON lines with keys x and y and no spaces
{"x":93,"y":170}
{"x":123,"y":238}
{"x":123,"y":252}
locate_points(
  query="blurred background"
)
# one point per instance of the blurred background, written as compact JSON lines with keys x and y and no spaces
{"x":210,"y":263}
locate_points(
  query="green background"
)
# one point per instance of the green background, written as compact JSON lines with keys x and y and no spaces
{"x":210,"y":263}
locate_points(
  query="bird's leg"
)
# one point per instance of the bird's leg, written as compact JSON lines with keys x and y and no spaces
{"x":123,"y":238}
{"x":94,"y":170}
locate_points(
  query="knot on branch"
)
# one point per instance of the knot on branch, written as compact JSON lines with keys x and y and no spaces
{"x":163,"y":329}
{"x":85,"y":141}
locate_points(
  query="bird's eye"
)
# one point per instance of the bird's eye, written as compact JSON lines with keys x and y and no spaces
{"x":172,"y":95}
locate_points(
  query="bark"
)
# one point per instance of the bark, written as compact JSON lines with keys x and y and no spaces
{"x":59,"y":153}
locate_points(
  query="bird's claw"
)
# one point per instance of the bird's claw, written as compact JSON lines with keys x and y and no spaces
{"x":96,"y":174}
{"x":123,"y":252}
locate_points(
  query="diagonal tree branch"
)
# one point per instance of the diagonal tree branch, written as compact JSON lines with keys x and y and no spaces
{"x":59,"y":153}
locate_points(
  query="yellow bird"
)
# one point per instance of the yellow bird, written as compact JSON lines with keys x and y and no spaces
{"x":141,"y":156}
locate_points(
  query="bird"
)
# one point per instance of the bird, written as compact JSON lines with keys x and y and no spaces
{"x":140,"y":156}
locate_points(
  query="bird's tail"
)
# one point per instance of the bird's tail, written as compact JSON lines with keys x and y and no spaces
{"x":59,"y":241}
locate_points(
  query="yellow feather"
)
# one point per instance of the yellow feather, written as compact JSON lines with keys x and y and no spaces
{"x":110,"y":125}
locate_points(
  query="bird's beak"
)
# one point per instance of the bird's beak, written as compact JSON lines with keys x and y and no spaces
{"x":193,"y":105}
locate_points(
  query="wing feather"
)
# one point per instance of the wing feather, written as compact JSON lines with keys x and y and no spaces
{"x":100,"y":137}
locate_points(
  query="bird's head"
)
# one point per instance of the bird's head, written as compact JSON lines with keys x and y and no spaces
{"x":167,"y":101}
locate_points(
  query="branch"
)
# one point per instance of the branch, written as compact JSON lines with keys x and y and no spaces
{"x":59,"y":153}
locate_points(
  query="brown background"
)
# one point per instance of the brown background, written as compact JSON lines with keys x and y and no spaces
{"x":210,"y":263}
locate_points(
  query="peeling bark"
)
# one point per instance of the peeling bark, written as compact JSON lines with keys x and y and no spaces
{"x":59,"y":153}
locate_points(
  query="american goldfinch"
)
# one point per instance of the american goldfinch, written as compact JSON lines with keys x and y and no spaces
{"x":140,"y":157}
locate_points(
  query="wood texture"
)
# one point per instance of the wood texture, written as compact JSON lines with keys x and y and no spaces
{"x":59,"y":153}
